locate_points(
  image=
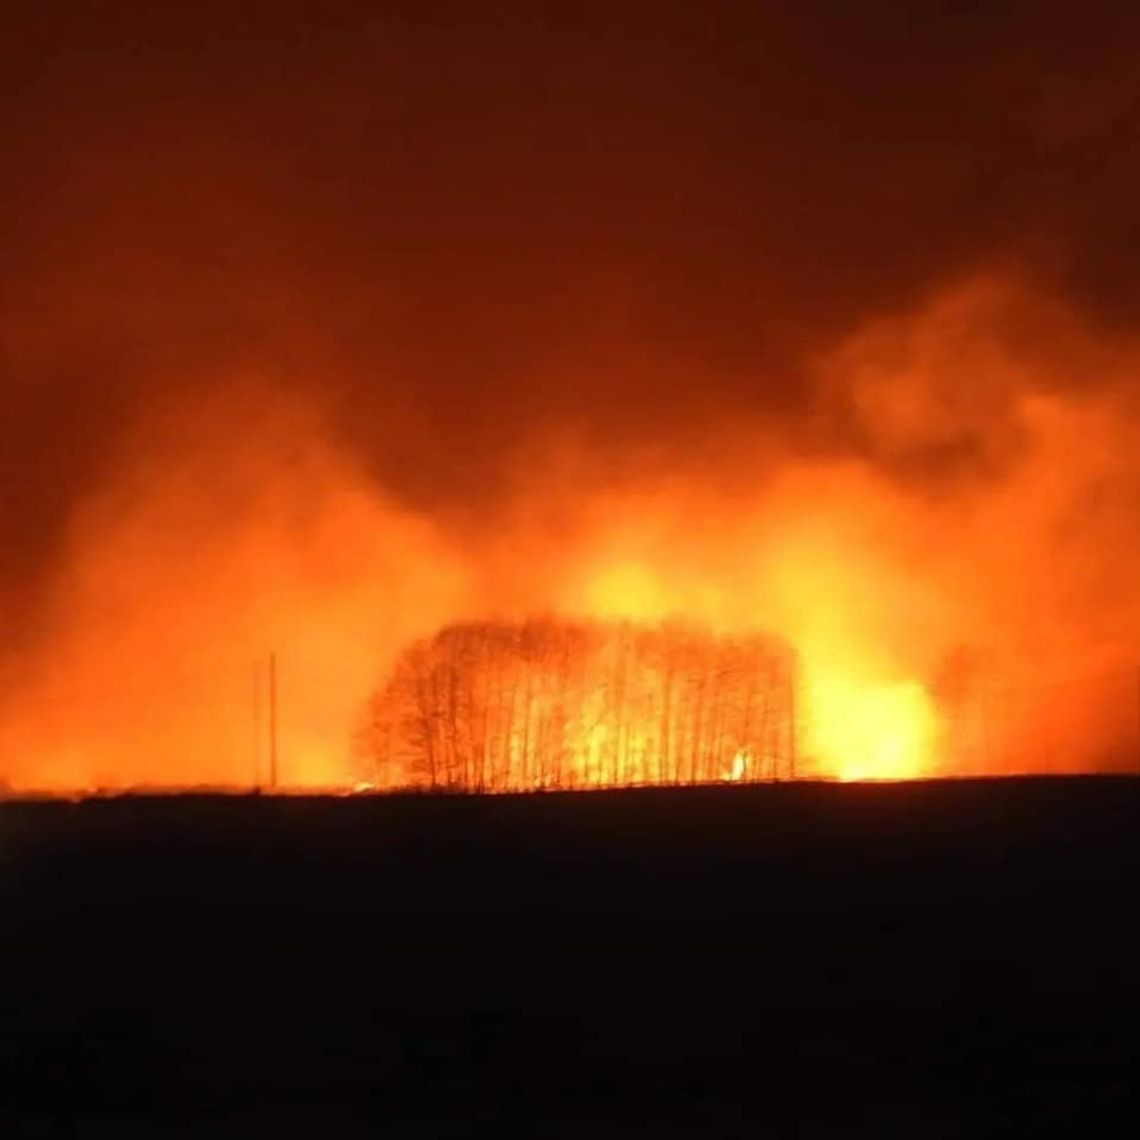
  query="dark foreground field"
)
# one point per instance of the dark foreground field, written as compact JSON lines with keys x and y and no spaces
{"x":955,"y":959}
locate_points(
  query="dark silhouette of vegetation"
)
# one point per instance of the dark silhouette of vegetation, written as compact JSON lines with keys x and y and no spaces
{"x":549,"y":703}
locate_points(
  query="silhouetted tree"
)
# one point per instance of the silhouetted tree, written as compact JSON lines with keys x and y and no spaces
{"x":493,"y":706}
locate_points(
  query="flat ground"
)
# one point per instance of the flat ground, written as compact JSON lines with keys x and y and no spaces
{"x":947,"y":959}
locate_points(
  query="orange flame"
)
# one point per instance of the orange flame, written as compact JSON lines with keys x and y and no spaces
{"x":871,"y":732}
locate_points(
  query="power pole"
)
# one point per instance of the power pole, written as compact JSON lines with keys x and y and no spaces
{"x":257,"y":726}
{"x":273,"y":721}
{"x":984,"y":719}
{"x":793,"y":680}
{"x":1138,"y":719}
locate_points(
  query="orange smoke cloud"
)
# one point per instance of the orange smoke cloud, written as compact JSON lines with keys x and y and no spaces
{"x":954,"y":562}
{"x":990,"y":521}
{"x":258,"y":537}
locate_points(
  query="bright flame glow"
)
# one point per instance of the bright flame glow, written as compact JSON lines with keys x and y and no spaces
{"x":870,"y":731}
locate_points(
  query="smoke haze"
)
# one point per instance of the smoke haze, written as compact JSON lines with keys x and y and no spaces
{"x":321,"y":330}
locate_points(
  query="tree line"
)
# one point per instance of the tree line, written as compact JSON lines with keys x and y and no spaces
{"x":552,"y":703}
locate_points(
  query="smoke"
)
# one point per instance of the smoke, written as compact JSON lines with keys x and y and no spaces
{"x":976,"y":528}
{"x":311,"y":342}
{"x":228,"y":532}
{"x":979,"y":532}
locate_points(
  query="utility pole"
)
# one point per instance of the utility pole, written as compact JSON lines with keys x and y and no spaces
{"x":1138,"y":719}
{"x":984,"y":719}
{"x":793,"y":680}
{"x":257,"y":726}
{"x":273,"y":721}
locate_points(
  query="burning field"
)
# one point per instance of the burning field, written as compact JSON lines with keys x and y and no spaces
{"x":471,"y":391}
{"x":957,"y":622}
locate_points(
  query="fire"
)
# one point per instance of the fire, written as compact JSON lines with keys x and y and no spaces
{"x":810,"y":568}
{"x":936,"y":622}
{"x":499,"y":706}
{"x":864,"y":718}
{"x":868,"y":731}
{"x":739,"y":766}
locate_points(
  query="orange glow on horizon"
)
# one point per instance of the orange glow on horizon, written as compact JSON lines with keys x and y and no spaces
{"x":938,"y":621}
{"x":871,"y":731}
